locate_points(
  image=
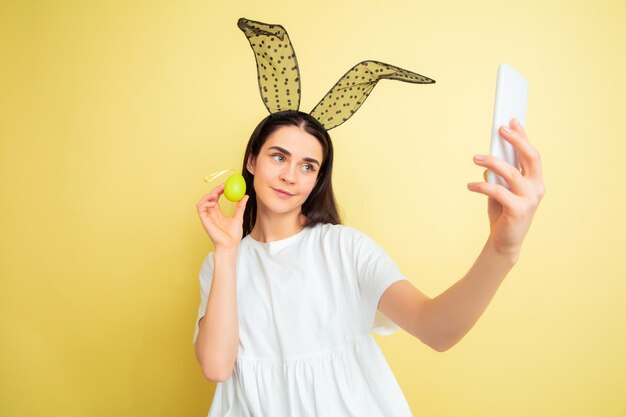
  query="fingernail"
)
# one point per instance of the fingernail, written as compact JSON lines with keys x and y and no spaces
{"x":479,"y":157}
{"x":506,"y":129}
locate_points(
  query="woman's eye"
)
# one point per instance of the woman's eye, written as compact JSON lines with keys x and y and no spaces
{"x":306,"y":167}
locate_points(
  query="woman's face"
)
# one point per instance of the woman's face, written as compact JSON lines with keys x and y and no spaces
{"x":285,"y":170}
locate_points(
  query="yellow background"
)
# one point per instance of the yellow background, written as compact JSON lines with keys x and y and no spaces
{"x":111,"y":114}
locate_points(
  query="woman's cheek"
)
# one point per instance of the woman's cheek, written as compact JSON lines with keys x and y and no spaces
{"x":310,"y":184}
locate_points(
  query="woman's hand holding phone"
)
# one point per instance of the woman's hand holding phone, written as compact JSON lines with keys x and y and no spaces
{"x":511,"y":210}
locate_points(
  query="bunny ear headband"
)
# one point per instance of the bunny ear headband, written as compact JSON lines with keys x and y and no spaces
{"x":279,"y":76}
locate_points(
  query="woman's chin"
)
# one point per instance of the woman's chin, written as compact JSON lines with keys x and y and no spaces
{"x":281,"y":207}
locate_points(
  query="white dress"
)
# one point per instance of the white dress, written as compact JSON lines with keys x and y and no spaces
{"x":306,"y":306}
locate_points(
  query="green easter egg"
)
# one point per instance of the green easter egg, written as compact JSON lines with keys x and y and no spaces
{"x":235,"y":187}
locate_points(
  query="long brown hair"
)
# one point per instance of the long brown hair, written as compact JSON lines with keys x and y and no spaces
{"x":320,"y":206}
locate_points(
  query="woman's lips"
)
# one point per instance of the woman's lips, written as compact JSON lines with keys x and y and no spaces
{"x":282,"y":194}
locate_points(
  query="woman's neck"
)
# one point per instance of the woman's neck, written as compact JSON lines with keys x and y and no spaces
{"x":271,"y":227}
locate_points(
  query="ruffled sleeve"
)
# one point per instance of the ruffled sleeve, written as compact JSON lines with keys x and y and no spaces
{"x":376,"y":271}
{"x":206,"y":277}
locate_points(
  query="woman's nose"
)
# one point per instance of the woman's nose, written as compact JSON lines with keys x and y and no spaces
{"x":288,"y":174}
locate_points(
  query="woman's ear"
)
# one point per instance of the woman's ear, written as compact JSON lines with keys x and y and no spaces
{"x":250,"y":164}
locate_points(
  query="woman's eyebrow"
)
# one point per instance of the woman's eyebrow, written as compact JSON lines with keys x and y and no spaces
{"x":286,"y":152}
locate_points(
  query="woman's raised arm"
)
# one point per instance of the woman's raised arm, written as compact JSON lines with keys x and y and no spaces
{"x":442,"y":321}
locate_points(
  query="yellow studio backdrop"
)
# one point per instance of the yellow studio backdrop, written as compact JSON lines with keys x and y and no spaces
{"x":111,"y":114}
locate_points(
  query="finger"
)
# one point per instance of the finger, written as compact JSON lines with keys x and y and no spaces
{"x":204,"y":204}
{"x":204,"y":209}
{"x":517,"y":125}
{"x":216,"y":193}
{"x":219,"y":189}
{"x":536,"y":157}
{"x":528,"y":155}
{"x":507,"y":171}
{"x":215,"y":214}
{"x":495,"y":191}
{"x":213,"y":195}
{"x":241,"y":207}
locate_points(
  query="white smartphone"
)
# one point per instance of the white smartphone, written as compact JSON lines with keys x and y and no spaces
{"x":511,"y":101}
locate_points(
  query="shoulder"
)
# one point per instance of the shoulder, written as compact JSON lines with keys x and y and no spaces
{"x":335,"y":230}
{"x":341,"y":234}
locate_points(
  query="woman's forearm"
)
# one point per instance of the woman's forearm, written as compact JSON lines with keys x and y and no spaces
{"x":218,"y":337}
{"x":450,"y":315}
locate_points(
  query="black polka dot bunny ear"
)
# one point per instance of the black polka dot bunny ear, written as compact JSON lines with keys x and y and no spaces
{"x":279,"y":76}
{"x":345,"y":98}
{"x":277,"y":67}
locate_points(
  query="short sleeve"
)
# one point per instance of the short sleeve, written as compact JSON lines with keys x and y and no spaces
{"x":206,"y":277}
{"x":376,"y":271}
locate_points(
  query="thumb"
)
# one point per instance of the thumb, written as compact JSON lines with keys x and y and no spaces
{"x":241,"y":207}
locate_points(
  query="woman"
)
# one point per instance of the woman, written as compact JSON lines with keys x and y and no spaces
{"x":286,"y":312}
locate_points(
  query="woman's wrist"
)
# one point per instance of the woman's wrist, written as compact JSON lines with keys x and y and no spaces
{"x":508,"y":254}
{"x":226,"y":251}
